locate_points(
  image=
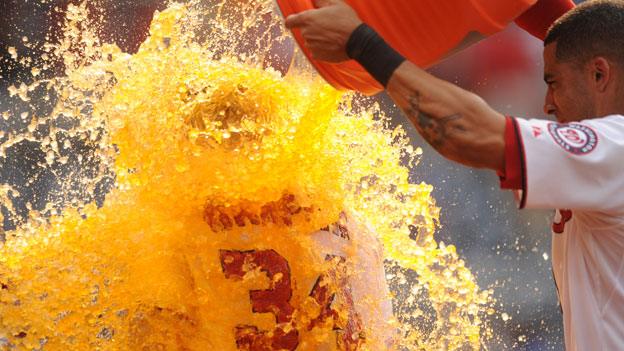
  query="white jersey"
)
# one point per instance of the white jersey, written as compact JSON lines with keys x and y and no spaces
{"x":578,"y":169}
{"x":353,"y":239}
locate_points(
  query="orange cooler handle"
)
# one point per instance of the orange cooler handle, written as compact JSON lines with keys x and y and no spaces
{"x":424,"y":31}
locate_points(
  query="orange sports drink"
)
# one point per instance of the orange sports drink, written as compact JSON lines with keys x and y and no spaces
{"x":250,"y":210}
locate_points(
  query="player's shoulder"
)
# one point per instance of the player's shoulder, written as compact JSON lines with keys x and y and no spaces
{"x":580,"y":138}
{"x":614,"y":121}
{"x":611,"y":126}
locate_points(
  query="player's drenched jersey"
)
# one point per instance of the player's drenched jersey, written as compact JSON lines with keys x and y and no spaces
{"x":578,"y":169}
{"x":352,"y":294}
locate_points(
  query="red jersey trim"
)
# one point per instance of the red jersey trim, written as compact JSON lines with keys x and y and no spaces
{"x":511,"y":177}
{"x":522,"y":154}
{"x":559,"y":227}
{"x":514,"y":175}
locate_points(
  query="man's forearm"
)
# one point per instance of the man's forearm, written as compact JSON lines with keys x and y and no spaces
{"x":457,"y":123}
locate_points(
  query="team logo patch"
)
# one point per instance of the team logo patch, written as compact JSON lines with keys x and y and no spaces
{"x":575,"y":138}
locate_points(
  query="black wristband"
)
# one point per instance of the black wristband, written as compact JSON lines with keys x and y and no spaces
{"x":370,"y":50}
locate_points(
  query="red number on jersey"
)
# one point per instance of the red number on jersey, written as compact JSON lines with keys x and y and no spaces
{"x":350,"y":336}
{"x":237,"y":264}
{"x":276,"y":300}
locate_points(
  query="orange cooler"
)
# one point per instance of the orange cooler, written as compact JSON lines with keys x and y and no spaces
{"x":424,"y":31}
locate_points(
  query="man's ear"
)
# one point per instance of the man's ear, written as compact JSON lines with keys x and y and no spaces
{"x":602,"y":73}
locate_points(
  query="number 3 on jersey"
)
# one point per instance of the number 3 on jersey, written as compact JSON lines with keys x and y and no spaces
{"x":276,"y":300}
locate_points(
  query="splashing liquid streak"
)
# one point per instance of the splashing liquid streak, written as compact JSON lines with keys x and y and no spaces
{"x":211,"y":152}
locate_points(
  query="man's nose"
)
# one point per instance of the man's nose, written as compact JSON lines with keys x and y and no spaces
{"x":549,"y":105}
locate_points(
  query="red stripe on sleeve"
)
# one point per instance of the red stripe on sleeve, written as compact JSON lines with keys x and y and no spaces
{"x":512,"y":176}
{"x":540,"y":16}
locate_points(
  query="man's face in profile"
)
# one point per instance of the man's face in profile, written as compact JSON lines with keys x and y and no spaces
{"x":568,"y":97}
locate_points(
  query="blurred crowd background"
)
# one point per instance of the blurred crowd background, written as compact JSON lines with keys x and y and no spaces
{"x":508,"y":250}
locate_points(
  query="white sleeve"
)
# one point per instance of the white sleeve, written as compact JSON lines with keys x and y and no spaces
{"x":577,"y":166}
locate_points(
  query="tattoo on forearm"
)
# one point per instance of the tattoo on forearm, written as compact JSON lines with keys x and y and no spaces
{"x":434,"y":130}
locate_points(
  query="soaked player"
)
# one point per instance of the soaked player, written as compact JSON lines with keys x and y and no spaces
{"x":354,"y":272}
{"x":575,"y":165}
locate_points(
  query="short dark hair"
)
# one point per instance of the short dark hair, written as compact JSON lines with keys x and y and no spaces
{"x":593,"y":28}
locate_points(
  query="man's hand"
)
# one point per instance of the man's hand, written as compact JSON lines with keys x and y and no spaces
{"x":326,"y":29}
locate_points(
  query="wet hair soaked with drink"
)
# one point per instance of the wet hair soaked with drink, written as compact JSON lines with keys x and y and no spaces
{"x":594,"y":28}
